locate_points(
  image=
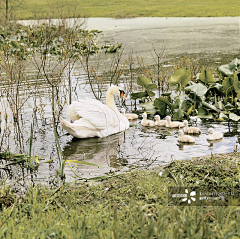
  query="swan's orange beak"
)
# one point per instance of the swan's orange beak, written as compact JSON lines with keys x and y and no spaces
{"x":123,"y":95}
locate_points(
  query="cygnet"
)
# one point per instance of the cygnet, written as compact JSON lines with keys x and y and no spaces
{"x":214,"y":135}
{"x":190,"y":130}
{"x":146,"y":122}
{"x":128,"y":116}
{"x":185,"y":138}
{"x":159,"y":122}
{"x":173,"y":124}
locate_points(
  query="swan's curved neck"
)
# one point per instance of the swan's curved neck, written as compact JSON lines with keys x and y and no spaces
{"x":110,"y":101}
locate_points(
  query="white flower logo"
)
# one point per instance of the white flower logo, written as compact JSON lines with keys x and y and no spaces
{"x":190,"y":196}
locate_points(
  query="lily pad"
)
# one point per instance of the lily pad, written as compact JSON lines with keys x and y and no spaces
{"x":198,"y":88}
{"x":181,"y":77}
{"x":228,"y":69}
{"x":149,"y":107}
{"x":234,"y":117}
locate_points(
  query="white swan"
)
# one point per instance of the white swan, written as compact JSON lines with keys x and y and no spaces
{"x":128,"y":116}
{"x":94,"y":119}
{"x":190,"y":130}
{"x":185,"y":138}
{"x":173,"y":124}
{"x":214,"y":135}
{"x":159,"y":122}
{"x":146,"y":122}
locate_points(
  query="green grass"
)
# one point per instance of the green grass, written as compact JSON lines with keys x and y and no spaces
{"x":131,"y":205}
{"x":125,"y":8}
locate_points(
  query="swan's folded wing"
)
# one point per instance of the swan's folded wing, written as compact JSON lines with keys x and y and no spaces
{"x":93,"y":114}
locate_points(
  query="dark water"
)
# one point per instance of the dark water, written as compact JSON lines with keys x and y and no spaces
{"x":214,"y":41}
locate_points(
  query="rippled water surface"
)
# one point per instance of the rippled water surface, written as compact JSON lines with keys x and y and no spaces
{"x":215,"y":41}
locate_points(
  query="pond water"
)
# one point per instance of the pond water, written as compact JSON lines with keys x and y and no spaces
{"x":215,"y":41}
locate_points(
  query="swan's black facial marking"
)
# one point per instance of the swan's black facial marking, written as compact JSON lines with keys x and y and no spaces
{"x":122,"y":94}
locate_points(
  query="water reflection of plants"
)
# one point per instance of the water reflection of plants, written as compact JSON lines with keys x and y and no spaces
{"x":59,"y":54}
{"x":53,"y":52}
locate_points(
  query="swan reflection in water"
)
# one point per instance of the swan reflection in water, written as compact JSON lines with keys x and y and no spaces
{"x":101,"y":151}
{"x":211,"y":142}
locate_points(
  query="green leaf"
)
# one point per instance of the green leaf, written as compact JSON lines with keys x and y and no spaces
{"x":206,"y":77}
{"x":203,"y":113}
{"x":151,"y":86}
{"x":236,"y":83}
{"x":198,"y":88}
{"x":223,"y":116}
{"x":234,"y":117}
{"x":227,"y":83}
{"x":150,"y":93}
{"x":181,"y":77}
{"x":178,"y":115}
{"x":149,"y":107}
{"x":209,"y":106}
{"x":228,"y":69}
{"x":161,"y":100}
{"x":138,"y":95}
{"x":143,"y":81}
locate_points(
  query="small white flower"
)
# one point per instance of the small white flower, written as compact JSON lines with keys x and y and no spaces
{"x":160,"y":174}
{"x":197,"y":182}
{"x":106,"y":189}
{"x":181,"y":176}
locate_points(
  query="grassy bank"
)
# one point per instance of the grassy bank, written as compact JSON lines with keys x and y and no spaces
{"x":131,"y":205}
{"x":33,"y":9}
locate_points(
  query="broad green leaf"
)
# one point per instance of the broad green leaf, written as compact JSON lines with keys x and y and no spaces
{"x":229,"y":106}
{"x":167,"y":94}
{"x":206,"y":77}
{"x":234,"y":117}
{"x":149,"y":107}
{"x":236,"y":82}
{"x":151,"y":86}
{"x":198,"y":88}
{"x":223,"y":116}
{"x":228,"y":69}
{"x":138,"y":95}
{"x":178,"y":115}
{"x":209,"y":106}
{"x":161,"y":100}
{"x":181,"y":77}
{"x":143,"y":81}
{"x":227,"y":83}
{"x":203,"y":113}
{"x":150,"y":93}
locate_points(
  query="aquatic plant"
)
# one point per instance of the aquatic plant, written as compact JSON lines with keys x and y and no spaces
{"x":206,"y":96}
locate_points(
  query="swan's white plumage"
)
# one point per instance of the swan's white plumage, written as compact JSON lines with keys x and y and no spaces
{"x":95,"y":119}
{"x":173,"y":124}
{"x":159,"y":122}
{"x":185,"y":138}
{"x":129,"y":116}
{"x":190,"y":130}
{"x":214,"y":135}
{"x":146,"y":122}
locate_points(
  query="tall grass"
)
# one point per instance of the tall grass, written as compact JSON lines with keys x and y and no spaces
{"x":131,"y":205}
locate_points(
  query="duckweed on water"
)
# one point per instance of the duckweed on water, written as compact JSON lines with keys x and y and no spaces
{"x":130,"y":205}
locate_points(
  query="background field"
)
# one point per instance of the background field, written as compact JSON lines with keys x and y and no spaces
{"x":33,"y":9}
